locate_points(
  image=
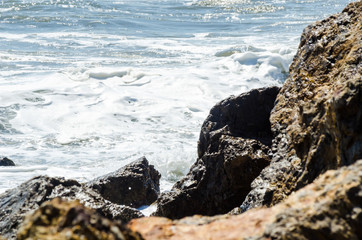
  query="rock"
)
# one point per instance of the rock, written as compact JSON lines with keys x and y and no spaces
{"x":246,"y":116}
{"x":231,"y":155}
{"x":134,"y":185}
{"x":317,"y":119}
{"x":6,"y":162}
{"x":17,"y":202}
{"x":329,"y":208}
{"x":59,"y":219}
{"x":141,"y":177}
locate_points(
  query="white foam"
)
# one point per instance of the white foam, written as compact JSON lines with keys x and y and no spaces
{"x":82,"y":98}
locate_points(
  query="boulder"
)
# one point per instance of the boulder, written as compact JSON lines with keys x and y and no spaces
{"x":59,"y":219}
{"x":329,"y":208}
{"x":233,"y":149}
{"x":141,"y":177}
{"x":317,"y":118}
{"x":134,"y":185}
{"x":17,"y":202}
{"x":6,"y":162}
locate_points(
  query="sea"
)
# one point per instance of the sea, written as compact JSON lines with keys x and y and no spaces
{"x":88,"y":86}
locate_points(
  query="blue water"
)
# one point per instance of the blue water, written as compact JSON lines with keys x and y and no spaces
{"x":89,"y":86}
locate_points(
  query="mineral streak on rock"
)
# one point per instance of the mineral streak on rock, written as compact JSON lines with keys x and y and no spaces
{"x":59,"y":219}
{"x":329,"y":208}
{"x":233,"y":149}
{"x":134,"y":185}
{"x":317,"y":119}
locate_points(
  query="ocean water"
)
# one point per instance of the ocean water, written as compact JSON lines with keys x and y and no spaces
{"x":88,"y":86}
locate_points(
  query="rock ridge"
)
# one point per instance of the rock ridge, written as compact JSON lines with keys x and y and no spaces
{"x":317,"y":118}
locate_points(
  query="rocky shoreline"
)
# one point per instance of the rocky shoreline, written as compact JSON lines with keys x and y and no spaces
{"x":273,"y":163}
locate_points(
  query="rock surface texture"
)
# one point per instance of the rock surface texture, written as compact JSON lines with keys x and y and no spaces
{"x":317,"y":119}
{"x":233,"y":149}
{"x":17,"y":202}
{"x":329,"y":208}
{"x":58,"y":219}
{"x":134,"y":185}
{"x":6,"y":162}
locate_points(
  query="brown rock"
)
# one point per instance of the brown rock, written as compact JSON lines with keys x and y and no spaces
{"x":329,"y":208}
{"x":232,"y":152}
{"x":60,"y":219}
{"x":317,"y":118}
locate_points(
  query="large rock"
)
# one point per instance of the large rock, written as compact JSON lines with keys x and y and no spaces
{"x":59,"y":219}
{"x":134,"y":185}
{"x":17,"y":202}
{"x":329,"y":208}
{"x":317,"y":118}
{"x":233,"y":149}
{"x":6,"y":162}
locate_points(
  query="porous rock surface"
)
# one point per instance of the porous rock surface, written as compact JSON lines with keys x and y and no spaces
{"x":59,"y":219}
{"x":329,"y":208}
{"x":233,"y":149}
{"x":16,"y":203}
{"x":317,"y":118}
{"x":134,"y":185}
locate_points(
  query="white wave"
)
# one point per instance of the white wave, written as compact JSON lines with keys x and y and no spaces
{"x":20,"y":169}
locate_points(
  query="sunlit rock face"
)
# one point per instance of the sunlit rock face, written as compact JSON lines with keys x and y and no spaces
{"x":328,"y":208}
{"x":317,"y":118}
{"x":59,"y":219}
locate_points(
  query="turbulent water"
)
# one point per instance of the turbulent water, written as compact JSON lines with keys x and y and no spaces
{"x":88,"y":86}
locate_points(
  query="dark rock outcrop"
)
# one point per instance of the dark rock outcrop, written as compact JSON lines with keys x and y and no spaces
{"x":317,"y":118}
{"x":134,"y":185}
{"x":6,"y":162}
{"x":233,"y":149}
{"x":17,"y":202}
{"x":329,"y":208}
{"x":60,"y":219}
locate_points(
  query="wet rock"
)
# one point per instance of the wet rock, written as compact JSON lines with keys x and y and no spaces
{"x":232,"y":152}
{"x":6,"y":162}
{"x":59,"y":219}
{"x":134,"y":185}
{"x":329,"y":208}
{"x":317,"y":119}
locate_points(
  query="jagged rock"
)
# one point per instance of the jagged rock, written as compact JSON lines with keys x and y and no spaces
{"x":317,"y":118}
{"x":231,"y":155}
{"x":6,"y":162}
{"x":17,"y":202}
{"x":246,"y":116}
{"x":60,"y":219}
{"x":329,"y":208}
{"x":134,"y":185}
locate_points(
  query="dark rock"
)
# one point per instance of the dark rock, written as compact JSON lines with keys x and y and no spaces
{"x":328,"y":208}
{"x":60,"y":219}
{"x":246,"y":116}
{"x":134,"y":185}
{"x":317,"y":119}
{"x":231,"y":155}
{"x":6,"y":162}
{"x":17,"y":202}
